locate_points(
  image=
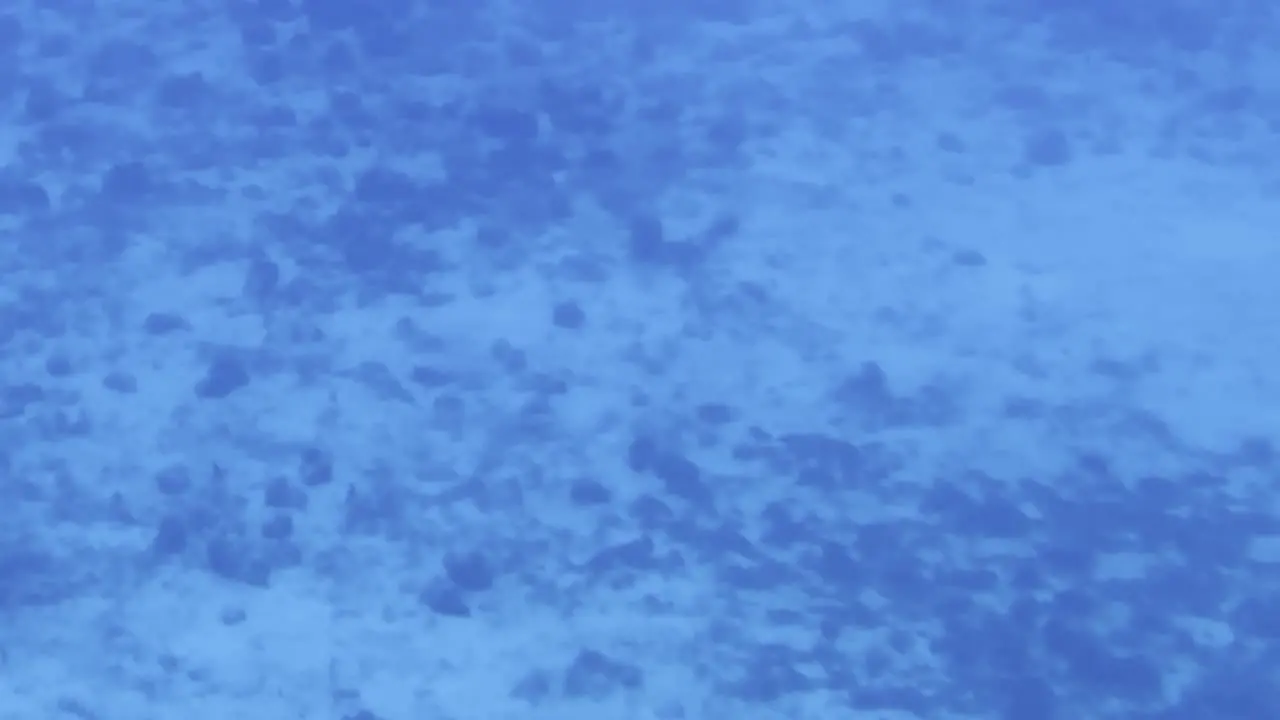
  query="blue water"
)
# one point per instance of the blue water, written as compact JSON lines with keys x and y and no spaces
{"x":666,"y":360}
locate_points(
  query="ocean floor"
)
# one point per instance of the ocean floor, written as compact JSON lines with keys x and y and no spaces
{"x":635,"y":361}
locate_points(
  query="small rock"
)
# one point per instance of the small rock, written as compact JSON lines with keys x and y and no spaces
{"x":715,"y":414}
{"x":170,"y":538}
{"x":469,"y":571}
{"x":534,"y":687}
{"x":173,"y":480}
{"x":284,"y":495}
{"x":594,"y":674}
{"x":232,"y":616}
{"x":568,"y":316}
{"x":224,"y":376}
{"x":161,"y":323}
{"x":317,"y":467}
{"x":15,"y":398}
{"x":262,"y":279}
{"x":279,"y":527}
{"x":231,"y":558}
{"x":589,"y":492}
{"x":120,"y":382}
{"x":445,"y":600}
{"x":58,"y":366}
